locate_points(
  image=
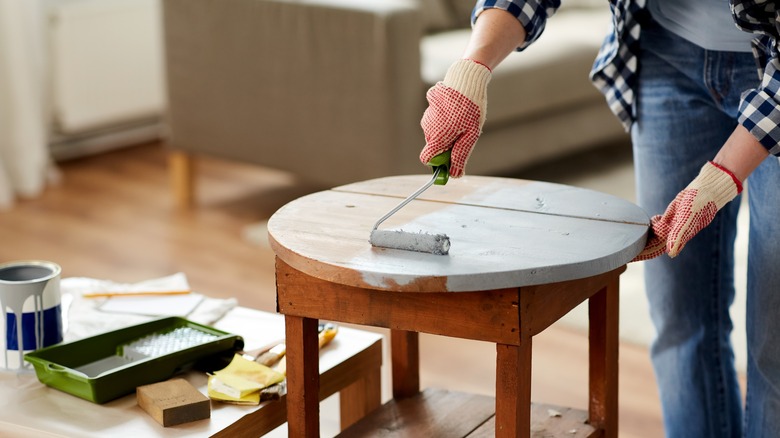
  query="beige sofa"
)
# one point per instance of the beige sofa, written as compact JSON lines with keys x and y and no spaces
{"x":333,"y":90}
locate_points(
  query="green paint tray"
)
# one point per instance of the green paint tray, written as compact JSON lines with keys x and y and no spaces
{"x":107,"y":366}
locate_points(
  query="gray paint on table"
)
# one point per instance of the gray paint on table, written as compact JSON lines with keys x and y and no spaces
{"x":504,"y":233}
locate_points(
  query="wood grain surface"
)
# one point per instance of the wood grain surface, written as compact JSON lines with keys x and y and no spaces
{"x":504,"y":232}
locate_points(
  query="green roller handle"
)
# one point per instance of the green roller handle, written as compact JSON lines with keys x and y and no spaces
{"x":442,"y":163}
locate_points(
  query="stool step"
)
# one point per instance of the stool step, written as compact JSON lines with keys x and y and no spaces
{"x":442,"y":413}
{"x":431,"y":413}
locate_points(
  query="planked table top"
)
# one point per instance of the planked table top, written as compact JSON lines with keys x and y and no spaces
{"x":504,"y":233}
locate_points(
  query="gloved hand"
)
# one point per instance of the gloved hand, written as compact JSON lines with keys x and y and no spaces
{"x":691,"y":211}
{"x":456,"y":113}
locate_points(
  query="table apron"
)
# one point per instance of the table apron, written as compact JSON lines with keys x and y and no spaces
{"x":495,"y":316}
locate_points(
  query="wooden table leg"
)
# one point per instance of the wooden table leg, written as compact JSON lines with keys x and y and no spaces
{"x":181,"y":167}
{"x":513,"y":389}
{"x":303,"y":377}
{"x":405,"y":354}
{"x":603,"y":333}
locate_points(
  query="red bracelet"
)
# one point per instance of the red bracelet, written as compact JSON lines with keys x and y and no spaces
{"x":731,"y":174}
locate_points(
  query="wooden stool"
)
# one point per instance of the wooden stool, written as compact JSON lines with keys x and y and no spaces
{"x":523,"y":255}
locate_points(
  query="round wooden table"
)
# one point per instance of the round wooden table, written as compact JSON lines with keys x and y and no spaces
{"x":523,"y":254}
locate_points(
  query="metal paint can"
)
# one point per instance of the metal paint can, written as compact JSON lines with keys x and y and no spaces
{"x":32,"y":313}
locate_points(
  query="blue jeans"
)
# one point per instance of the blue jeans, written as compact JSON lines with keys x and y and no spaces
{"x":686,"y":108}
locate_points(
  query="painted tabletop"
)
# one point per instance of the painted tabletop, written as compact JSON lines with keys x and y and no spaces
{"x":504,"y":233}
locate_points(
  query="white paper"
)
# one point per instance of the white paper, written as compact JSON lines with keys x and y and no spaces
{"x":155,"y":305}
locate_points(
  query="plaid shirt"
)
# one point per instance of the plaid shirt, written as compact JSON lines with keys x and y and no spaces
{"x":614,"y":71}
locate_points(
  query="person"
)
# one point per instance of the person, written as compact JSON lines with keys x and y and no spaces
{"x":682,"y":77}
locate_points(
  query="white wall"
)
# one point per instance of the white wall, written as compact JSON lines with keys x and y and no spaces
{"x":104,"y":74}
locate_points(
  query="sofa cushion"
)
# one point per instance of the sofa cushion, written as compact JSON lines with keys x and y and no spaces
{"x":461,"y":10}
{"x":583,"y":4}
{"x":549,"y":75}
{"x":436,"y":15}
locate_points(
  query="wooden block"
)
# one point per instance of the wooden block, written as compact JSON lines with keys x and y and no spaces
{"x":173,"y":402}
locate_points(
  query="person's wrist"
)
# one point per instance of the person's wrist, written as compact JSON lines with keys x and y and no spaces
{"x":741,"y":153}
{"x":731,"y":174}
{"x":716,"y":184}
{"x":470,"y":78}
{"x":480,"y":63}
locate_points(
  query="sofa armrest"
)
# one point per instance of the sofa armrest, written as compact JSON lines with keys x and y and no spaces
{"x":329,"y":89}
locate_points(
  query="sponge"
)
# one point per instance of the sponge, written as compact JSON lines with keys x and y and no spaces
{"x":173,"y":402}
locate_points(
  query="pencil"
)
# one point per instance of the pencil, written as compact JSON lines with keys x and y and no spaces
{"x":134,"y":293}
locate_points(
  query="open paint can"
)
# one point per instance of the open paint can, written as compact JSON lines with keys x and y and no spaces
{"x":32,"y":315}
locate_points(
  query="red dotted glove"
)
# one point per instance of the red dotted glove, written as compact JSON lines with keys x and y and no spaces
{"x":456,"y":113}
{"x":691,"y":211}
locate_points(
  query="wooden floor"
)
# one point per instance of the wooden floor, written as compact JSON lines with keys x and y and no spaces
{"x":112,"y":217}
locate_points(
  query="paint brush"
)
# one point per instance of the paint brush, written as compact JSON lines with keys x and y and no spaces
{"x":272,"y":356}
{"x":129,"y":293}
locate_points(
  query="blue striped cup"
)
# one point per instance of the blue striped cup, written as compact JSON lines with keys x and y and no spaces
{"x":30,"y":299}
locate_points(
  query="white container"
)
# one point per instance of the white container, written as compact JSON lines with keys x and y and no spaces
{"x":30,"y":300}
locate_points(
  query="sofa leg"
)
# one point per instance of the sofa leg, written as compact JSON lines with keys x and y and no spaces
{"x":182,"y":170}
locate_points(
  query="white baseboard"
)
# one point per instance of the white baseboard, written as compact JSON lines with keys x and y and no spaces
{"x":94,"y":142}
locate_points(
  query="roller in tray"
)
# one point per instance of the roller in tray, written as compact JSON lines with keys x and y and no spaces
{"x":107,"y":366}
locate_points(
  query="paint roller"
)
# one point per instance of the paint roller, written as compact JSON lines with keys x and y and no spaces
{"x":438,"y":244}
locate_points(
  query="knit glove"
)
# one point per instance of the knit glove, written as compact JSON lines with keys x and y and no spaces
{"x":691,"y":211}
{"x":456,"y":113}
